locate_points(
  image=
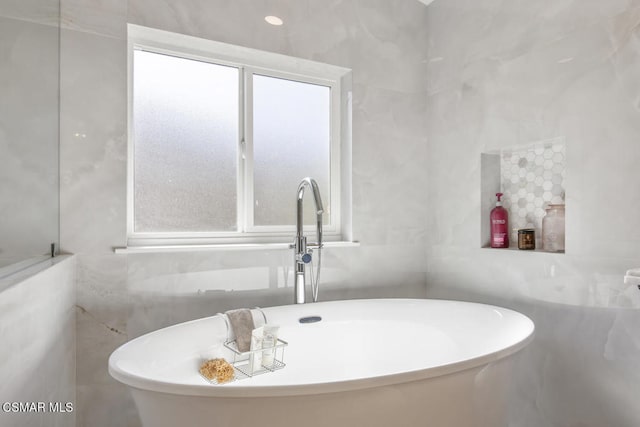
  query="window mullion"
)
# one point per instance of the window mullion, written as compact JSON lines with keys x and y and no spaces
{"x":240,"y":188}
{"x":248,"y":146}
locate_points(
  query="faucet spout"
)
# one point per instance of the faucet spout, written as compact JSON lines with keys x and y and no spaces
{"x":302,"y":255}
{"x":311,"y":183}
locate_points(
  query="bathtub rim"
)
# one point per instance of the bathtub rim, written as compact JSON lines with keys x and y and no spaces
{"x":207,"y":390}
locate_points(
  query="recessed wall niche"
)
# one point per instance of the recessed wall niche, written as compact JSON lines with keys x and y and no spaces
{"x":531,"y":177}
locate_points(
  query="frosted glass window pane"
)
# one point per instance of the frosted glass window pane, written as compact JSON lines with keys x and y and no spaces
{"x":186,"y":137}
{"x":291,"y":140}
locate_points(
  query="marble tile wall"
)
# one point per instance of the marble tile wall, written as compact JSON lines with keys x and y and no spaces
{"x":507,"y":73}
{"x":46,"y":12}
{"x":37,"y":360}
{"x":123,"y":296}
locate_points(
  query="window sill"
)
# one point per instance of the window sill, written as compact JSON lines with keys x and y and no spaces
{"x":222,"y":247}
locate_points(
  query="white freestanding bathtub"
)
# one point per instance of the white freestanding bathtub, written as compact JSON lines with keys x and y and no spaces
{"x":387,"y":362}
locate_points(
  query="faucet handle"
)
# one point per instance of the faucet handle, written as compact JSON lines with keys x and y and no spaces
{"x":306,"y":258}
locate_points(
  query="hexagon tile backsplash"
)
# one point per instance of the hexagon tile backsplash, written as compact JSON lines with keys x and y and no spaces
{"x":531,"y":179}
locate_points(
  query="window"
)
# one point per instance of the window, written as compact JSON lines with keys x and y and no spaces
{"x":220,"y":137}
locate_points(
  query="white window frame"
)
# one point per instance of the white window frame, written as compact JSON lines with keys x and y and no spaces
{"x":249,"y":62}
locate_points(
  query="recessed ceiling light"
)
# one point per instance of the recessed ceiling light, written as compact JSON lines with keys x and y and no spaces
{"x":273,"y":20}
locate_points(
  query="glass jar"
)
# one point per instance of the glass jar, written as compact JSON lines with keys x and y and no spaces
{"x":553,"y":229}
{"x":526,"y":239}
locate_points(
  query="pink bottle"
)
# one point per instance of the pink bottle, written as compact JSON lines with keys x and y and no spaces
{"x":499,"y":225}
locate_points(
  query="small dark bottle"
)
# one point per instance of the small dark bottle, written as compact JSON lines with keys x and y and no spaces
{"x":527,"y":239}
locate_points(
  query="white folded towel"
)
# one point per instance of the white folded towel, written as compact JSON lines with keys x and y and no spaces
{"x":242,"y":322}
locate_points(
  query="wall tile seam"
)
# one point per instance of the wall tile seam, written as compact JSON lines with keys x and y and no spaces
{"x":47,"y":23}
{"x":67,"y":28}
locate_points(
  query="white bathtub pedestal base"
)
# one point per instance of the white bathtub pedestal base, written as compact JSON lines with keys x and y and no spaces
{"x":470,"y":398}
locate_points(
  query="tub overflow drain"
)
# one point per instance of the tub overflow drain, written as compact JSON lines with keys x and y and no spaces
{"x":310,"y":319}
